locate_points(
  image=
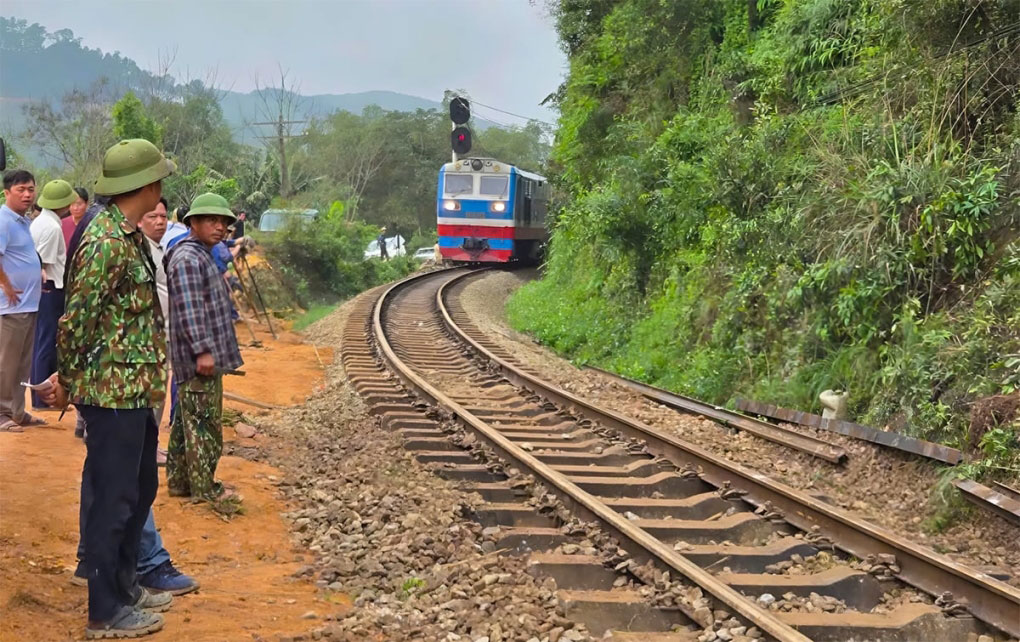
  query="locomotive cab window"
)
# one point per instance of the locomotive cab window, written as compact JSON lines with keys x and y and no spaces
{"x":494,"y":186}
{"x":459,"y":184}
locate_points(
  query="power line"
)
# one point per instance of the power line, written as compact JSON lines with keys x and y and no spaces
{"x":497,"y":122}
{"x":510,"y":113}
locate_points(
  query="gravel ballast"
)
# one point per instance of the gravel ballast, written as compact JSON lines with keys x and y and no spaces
{"x":393,"y":537}
{"x":884,"y":486}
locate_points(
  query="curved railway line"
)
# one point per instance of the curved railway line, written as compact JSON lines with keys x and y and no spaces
{"x":704,"y":541}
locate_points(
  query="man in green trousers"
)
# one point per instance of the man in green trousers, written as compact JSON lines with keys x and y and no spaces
{"x":202,"y":347}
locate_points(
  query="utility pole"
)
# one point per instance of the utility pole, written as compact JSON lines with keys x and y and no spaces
{"x":279,"y":106}
{"x":281,"y":145}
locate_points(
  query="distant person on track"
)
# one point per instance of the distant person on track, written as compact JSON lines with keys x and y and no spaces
{"x":202,"y":346}
{"x":381,"y":239}
{"x":239,"y":226}
{"x":56,"y":199}
{"x":20,"y":291}
{"x":111,"y":353}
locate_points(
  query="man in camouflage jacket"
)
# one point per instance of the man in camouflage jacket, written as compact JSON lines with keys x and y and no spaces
{"x":111,"y":356}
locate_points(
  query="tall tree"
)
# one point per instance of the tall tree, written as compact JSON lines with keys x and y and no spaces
{"x":75,"y":134}
{"x":130,"y":120}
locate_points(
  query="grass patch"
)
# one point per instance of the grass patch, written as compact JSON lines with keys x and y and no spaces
{"x":231,"y":417}
{"x":313,"y":314}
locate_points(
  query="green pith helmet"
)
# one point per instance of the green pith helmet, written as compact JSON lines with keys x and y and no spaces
{"x":210,"y":204}
{"x":57,"y":195}
{"x":131,"y":164}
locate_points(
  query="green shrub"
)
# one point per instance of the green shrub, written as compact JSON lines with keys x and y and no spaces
{"x":823,"y":198}
{"x":324,"y":259}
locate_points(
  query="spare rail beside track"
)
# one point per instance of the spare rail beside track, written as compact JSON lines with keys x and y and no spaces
{"x":887,"y":438}
{"x":777,"y":434}
{"x":990,"y":499}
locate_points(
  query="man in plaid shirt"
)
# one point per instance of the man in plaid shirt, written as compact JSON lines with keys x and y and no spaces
{"x":202,"y":347}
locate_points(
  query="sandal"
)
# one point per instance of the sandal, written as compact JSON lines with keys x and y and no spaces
{"x":28,"y":420}
{"x":9,"y":425}
{"x":128,"y":623}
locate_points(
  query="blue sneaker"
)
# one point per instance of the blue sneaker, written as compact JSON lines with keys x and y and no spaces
{"x":166,"y":578}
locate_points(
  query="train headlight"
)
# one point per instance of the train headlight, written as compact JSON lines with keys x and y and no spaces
{"x":498,"y":206}
{"x":451,"y":206}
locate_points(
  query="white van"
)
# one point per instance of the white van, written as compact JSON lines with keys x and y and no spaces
{"x":394,"y":247}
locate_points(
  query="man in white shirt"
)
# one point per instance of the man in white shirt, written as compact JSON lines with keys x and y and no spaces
{"x":153,"y":225}
{"x":48,"y":237}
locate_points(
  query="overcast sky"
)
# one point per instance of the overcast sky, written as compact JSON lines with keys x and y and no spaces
{"x":503,"y":52}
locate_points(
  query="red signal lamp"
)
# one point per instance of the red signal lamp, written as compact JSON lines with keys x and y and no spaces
{"x":460,"y":140}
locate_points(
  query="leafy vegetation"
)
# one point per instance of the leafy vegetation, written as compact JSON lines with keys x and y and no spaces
{"x":774,"y":197}
{"x":324,"y":259}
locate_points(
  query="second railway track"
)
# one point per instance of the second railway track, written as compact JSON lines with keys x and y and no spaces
{"x":725,"y":535}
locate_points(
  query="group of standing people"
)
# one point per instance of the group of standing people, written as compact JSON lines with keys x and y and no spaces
{"x":90,"y":317}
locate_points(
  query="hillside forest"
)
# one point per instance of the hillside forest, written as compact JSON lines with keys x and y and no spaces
{"x":770,"y":198}
{"x":362,"y":171}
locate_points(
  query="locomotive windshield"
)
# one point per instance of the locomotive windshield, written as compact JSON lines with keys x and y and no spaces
{"x":494,"y":185}
{"x":459,"y":183}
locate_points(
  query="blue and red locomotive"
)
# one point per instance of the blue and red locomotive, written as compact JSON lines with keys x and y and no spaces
{"x":490,"y":212}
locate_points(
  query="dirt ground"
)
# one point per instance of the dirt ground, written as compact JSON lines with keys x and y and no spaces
{"x":245,"y":565}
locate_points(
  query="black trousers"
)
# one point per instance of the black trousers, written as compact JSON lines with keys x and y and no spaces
{"x":44,"y":350}
{"x":120,"y":465}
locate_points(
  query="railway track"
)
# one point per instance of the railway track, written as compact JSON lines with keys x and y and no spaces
{"x":708,"y":550}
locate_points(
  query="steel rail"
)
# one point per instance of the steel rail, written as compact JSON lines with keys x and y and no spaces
{"x":1001,"y":504}
{"x":990,"y":600}
{"x":777,"y":434}
{"x":577,"y":500}
{"x":889,"y":439}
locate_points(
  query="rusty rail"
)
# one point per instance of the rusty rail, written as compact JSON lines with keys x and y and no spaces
{"x":776,"y":434}
{"x":889,"y":439}
{"x":576,"y":498}
{"x":999,"y":503}
{"x":1009,"y":491}
{"x":987,"y":598}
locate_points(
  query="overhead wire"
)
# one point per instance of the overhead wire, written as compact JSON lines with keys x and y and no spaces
{"x":497,"y":122}
{"x":509,"y":113}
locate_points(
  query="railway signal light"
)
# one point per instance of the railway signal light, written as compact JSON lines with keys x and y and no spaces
{"x":460,"y":140}
{"x":460,"y":110}
{"x":460,"y":114}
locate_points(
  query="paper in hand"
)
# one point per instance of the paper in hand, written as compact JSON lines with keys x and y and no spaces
{"x":44,"y":386}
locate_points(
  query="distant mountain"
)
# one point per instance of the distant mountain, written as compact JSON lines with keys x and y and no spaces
{"x":241,"y":109}
{"x":36,"y":65}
